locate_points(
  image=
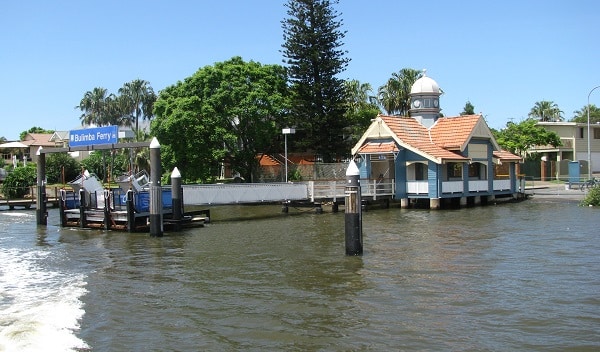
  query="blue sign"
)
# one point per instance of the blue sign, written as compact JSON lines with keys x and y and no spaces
{"x":93,"y":136}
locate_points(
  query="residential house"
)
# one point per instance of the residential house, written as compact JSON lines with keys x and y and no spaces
{"x":574,"y":138}
{"x":34,"y":141}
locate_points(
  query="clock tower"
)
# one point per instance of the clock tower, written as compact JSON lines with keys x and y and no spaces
{"x":425,"y":100}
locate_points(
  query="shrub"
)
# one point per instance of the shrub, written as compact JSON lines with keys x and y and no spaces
{"x":17,"y":183}
{"x":593,"y":197}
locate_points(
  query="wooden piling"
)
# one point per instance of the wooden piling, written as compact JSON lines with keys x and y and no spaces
{"x":82,"y":222}
{"x":130,"y":211}
{"x":41,"y":214}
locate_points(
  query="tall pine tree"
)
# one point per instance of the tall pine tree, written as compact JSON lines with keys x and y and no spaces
{"x":312,"y":49}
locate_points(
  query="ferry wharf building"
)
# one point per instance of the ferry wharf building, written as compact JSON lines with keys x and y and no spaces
{"x":432,"y":161}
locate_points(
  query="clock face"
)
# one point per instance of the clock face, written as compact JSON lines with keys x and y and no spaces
{"x":417,"y":103}
{"x":435,"y":103}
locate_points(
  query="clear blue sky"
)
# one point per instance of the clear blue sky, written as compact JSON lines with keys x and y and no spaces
{"x":503,"y":56}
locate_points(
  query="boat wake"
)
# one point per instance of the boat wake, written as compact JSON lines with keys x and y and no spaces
{"x":40,"y":309}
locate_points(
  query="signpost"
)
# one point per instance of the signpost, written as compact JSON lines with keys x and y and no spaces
{"x":93,"y":136}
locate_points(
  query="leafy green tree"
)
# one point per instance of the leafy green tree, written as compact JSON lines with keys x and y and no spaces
{"x":394,"y":95}
{"x":582,"y":115}
{"x":34,"y":129}
{"x":469,"y":109}
{"x":361,"y":107}
{"x":312,"y":50}
{"x":226,"y":113}
{"x":136,"y":101}
{"x":546,"y":111}
{"x":17,"y":183}
{"x":102,"y":162}
{"x":519,"y":138}
{"x":61,"y":168}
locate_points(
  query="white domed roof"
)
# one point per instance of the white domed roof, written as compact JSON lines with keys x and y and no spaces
{"x":425,"y":85}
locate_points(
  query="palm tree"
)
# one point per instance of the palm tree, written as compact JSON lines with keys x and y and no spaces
{"x":394,"y":96}
{"x":97,"y":107}
{"x":357,"y":94}
{"x":136,"y":101}
{"x":581,"y":115}
{"x":546,"y":111}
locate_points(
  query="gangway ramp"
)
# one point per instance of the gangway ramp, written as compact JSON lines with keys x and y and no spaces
{"x":313,"y":191}
{"x":235,"y":193}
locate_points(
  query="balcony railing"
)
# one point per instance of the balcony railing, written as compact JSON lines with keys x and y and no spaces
{"x":417,"y":187}
{"x":501,"y":185}
{"x":452,"y":187}
{"x":478,"y":186}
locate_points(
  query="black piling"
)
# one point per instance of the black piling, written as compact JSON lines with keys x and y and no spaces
{"x":130,"y":211}
{"x":107,"y":215}
{"x":82,"y":220}
{"x":62,"y":199}
{"x":156,"y":223}
{"x":176,"y":194}
{"x":41,"y":214}
{"x":353,"y":214}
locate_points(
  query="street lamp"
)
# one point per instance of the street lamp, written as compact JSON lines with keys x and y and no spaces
{"x":285,"y":132}
{"x":589,"y":152}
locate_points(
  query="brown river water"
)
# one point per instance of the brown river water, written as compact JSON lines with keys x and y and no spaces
{"x":509,"y":277}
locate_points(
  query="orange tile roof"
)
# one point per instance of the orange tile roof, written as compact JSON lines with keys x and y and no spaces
{"x":505,"y":155}
{"x":267,"y":160}
{"x":443,"y":142}
{"x":454,"y":132}
{"x":301,"y":159}
{"x":418,"y":138}
{"x":279,"y":159}
{"x":379,"y":147}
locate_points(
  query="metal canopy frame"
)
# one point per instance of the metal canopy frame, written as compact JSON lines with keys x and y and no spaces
{"x":96,"y":147}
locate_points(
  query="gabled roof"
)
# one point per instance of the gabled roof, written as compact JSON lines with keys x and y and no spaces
{"x":503,"y":155}
{"x":38,"y":139}
{"x":456,"y":132}
{"x":267,"y":160}
{"x":415,"y":137}
{"x":443,"y":142}
{"x":60,"y":136}
{"x":378,"y":147}
{"x":279,"y":159}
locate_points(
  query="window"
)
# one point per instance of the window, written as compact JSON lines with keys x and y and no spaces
{"x":420,"y":172}
{"x":580,"y":132}
{"x":596,"y":133}
{"x":477,"y":171}
{"x":454,"y":171}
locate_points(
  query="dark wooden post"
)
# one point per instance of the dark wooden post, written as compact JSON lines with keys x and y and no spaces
{"x":82,"y":205}
{"x":353,"y":215}
{"x":62,"y":199}
{"x":107,"y":215}
{"x":130,"y":211}
{"x":41,"y":214}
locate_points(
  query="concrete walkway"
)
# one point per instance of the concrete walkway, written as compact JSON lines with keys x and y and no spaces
{"x":546,"y":190}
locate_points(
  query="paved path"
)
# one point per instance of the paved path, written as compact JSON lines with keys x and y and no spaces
{"x":545,"y":190}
